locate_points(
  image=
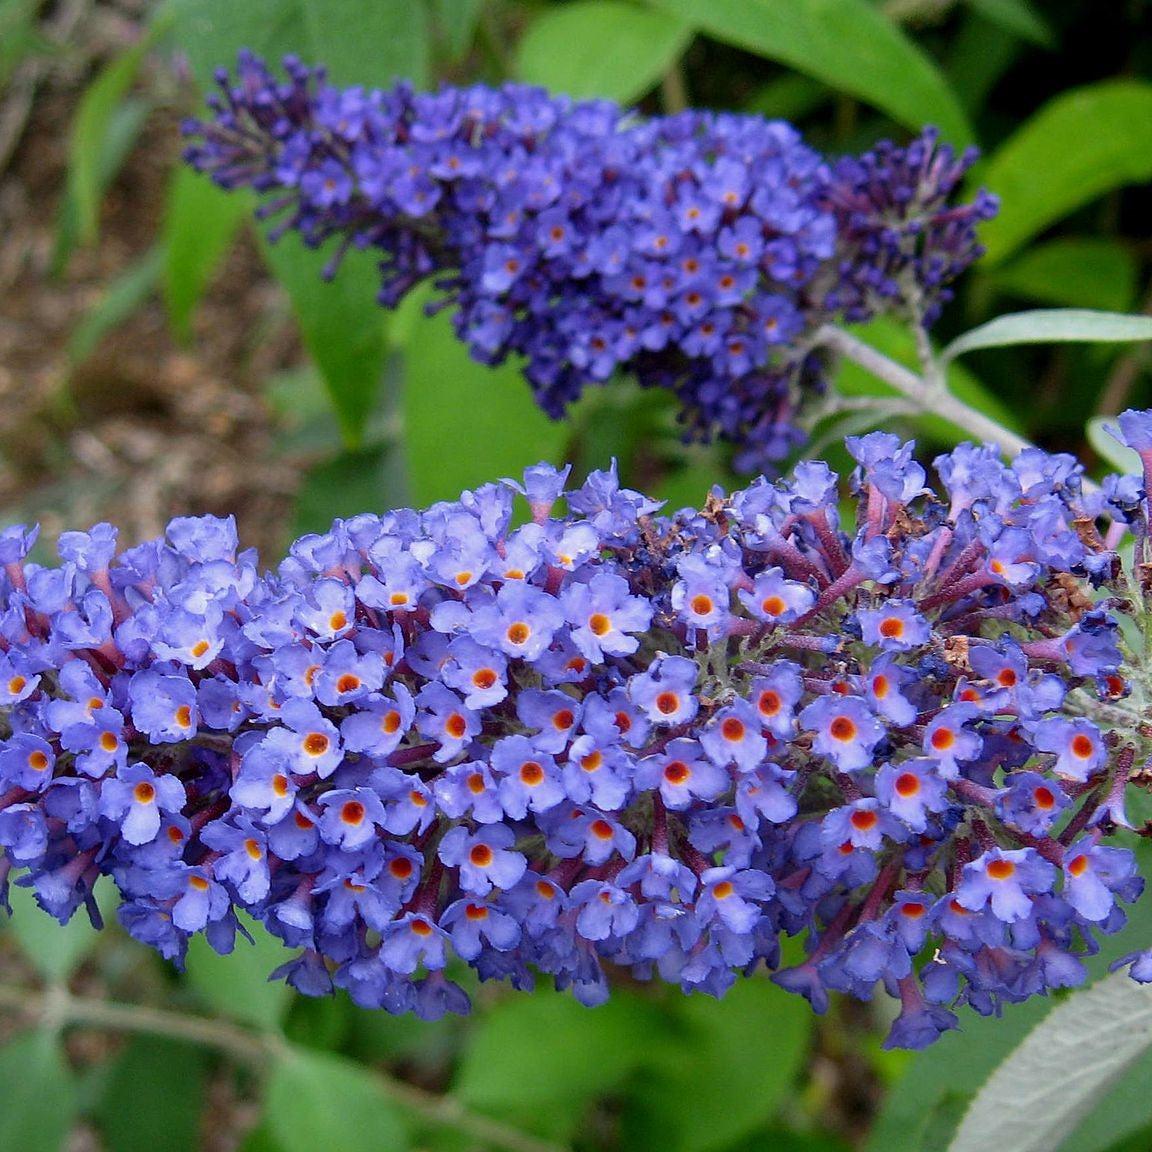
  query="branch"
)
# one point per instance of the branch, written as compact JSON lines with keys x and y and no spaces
{"x":57,"y":1008}
{"x":929,"y":396}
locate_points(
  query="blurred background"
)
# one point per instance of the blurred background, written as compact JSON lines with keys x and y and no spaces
{"x":158,"y":358}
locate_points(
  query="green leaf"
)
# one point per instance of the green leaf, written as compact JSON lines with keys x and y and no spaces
{"x":119,"y":299}
{"x":789,"y":97}
{"x":359,"y":43}
{"x":1076,"y":273}
{"x":1077,"y":147}
{"x":55,"y":950}
{"x":465,"y":423}
{"x":368,"y":43}
{"x":724,"y":1075}
{"x":341,"y":323}
{"x":153,"y":1097}
{"x":1067,"y":1063}
{"x":19,"y":36}
{"x":602,"y":48}
{"x":942,"y":1120}
{"x":237,"y":985}
{"x":848,"y":44}
{"x":200,"y":223}
{"x":979,"y":54}
{"x":90,"y":128}
{"x":316,"y":1100}
{"x":1052,"y":326}
{"x":1017,"y":17}
{"x":542,"y":1060}
{"x":118,"y":140}
{"x":37,"y":1094}
{"x":456,"y":21}
{"x":1109,"y":449}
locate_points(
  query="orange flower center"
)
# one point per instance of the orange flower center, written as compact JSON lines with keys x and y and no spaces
{"x":316,"y":744}
{"x":842,"y":729}
{"x":907,"y":784}
{"x":480,"y":856}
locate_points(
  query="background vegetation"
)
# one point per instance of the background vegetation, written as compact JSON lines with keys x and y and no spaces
{"x":157,"y":357}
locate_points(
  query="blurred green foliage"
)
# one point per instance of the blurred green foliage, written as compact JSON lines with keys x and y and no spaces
{"x":1059,"y":97}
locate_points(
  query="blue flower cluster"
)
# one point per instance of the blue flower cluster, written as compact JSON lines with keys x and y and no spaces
{"x":608,"y":736}
{"x":698,"y":251}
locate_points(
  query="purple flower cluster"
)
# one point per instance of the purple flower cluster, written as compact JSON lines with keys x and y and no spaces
{"x":698,"y":251}
{"x":607,"y":737}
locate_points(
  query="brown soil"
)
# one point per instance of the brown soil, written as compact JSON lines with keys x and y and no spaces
{"x":142,"y":429}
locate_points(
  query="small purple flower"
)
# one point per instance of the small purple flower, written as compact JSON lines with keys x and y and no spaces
{"x":1005,"y":880}
{"x":666,"y":692}
{"x":604,"y":616}
{"x":682,"y":773}
{"x":733,"y":736}
{"x":1078,"y":745}
{"x":776,"y":600}
{"x":896,"y":626}
{"x":136,"y":798}
{"x":349,"y":817}
{"x":845,"y":730}
{"x":483,"y":857}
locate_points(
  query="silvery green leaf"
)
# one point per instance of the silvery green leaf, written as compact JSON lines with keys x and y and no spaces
{"x":1052,"y":326}
{"x":1064,"y":1066}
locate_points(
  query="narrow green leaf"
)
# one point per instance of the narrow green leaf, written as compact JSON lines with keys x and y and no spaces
{"x":119,"y":299}
{"x":1077,"y":147}
{"x":1109,"y":449}
{"x":153,"y":1098}
{"x":725,"y":1074}
{"x":848,"y":44}
{"x":1052,"y":326}
{"x":237,"y":985}
{"x":1065,"y":1064}
{"x":1086,"y":272}
{"x":605,"y":48}
{"x":37,"y":1094}
{"x":342,"y":325}
{"x":465,"y":423}
{"x":97,"y":107}
{"x":19,"y":37}
{"x":543,"y":1060}
{"x":119,"y":139}
{"x":200,"y":223}
{"x":317,"y":1100}
{"x":55,"y":950}
{"x":1017,"y":17}
{"x":456,"y":21}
